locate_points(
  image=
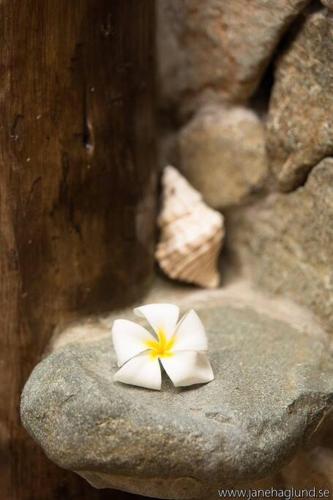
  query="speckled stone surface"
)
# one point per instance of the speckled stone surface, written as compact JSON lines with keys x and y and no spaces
{"x":285,"y":243}
{"x":300,"y":127}
{"x":273,"y":385}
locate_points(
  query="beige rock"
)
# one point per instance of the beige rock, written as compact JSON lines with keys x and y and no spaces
{"x":285,"y":243}
{"x":222,"y":153}
{"x":217,"y":48}
{"x":327,"y":3}
{"x":300,"y":126}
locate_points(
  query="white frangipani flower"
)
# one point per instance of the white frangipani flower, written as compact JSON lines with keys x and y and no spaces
{"x":180,"y":348}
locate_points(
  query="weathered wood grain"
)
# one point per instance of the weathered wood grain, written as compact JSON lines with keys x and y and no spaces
{"x":77,"y":192}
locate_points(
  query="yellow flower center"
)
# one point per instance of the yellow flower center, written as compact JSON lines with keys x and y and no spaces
{"x":162,"y":347}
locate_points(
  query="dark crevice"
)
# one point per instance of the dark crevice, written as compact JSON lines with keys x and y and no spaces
{"x":261,"y":98}
{"x":302,"y":177}
{"x":87,"y":134}
{"x":15,"y":129}
{"x":296,"y":26}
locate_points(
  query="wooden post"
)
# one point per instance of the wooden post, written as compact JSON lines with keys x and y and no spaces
{"x":77,"y":192}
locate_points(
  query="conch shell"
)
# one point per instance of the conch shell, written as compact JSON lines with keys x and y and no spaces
{"x":191,"y":233}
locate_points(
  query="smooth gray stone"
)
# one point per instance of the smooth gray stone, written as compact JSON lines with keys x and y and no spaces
{"x":273,"y":386}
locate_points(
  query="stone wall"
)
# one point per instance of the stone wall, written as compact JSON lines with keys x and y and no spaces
{"x":247,"y":106}
{"x":249,"y":87}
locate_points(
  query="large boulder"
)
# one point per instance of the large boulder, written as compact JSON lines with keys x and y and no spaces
{"x":222,"y":154}
{"x":273,"y":385}
{"x":300,"y":125}
{"x":217,"y":49}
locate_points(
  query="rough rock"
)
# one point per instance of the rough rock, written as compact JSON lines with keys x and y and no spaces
{"x":327,"y":3}
{"x":300,"y":125}
{"x":273,"y":384}
{"x":285,"y":242}
{"x":217,"y":48}
{"x":222,"y":153}
{"x":309,"y":470}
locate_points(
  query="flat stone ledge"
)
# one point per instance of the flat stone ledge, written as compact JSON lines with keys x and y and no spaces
{"x":273,"y":387}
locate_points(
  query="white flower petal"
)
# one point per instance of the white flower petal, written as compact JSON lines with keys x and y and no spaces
{"x":160,"y":317}
{"x":190,"y":334}
{"x":188,"y":367}
{"x":129,"y":339}
{"x":143,"y":370}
